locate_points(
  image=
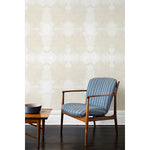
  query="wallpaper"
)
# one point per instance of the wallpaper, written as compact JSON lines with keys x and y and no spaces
{"x":68,"y":42}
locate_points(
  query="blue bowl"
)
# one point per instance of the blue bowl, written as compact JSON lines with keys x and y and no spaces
{"x":33,"y":108}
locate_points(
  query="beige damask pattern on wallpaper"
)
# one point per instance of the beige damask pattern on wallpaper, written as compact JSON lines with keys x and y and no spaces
{"x":69,"y":42}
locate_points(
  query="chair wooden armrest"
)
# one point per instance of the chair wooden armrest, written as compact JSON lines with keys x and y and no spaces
{"x":73,"y":91}
{"x":88,"y":98}
{"x":66,"y":91}
{"x":100,"y":95}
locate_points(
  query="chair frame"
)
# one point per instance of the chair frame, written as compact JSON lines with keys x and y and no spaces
{"x":86,"y":118}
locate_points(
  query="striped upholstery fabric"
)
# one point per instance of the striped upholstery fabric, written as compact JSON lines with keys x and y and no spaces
{"x":101,"y":86}
{"x":98,"y":106}
{"x":79,"y":110}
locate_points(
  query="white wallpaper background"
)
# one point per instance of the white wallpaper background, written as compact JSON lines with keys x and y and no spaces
{"x":69,"y":42}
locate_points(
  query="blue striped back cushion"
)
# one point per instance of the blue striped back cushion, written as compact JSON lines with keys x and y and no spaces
{"x":101,"y":86}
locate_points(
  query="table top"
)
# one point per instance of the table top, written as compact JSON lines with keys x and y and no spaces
{"x":44,"y":114}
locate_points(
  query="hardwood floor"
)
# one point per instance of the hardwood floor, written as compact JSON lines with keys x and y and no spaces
{"x":102,"y":138}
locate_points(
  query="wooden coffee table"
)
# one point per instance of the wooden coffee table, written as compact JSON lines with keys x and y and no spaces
{"x":37,"y":118}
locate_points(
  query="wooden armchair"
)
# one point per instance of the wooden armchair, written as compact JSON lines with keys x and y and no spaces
{"x":99,"y":94}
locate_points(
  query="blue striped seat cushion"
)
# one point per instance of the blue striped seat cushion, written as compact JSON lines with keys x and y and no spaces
{"x":101,"y":86}
{"x":79,"y":110}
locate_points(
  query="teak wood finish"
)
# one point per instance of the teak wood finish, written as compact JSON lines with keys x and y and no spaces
{"x":37,"y":118}
{"x":86,"y":118}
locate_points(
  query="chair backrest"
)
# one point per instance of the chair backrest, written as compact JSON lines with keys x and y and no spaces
{"x":101,"y":86}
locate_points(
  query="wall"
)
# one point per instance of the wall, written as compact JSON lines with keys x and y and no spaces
{"x":70,"y":41}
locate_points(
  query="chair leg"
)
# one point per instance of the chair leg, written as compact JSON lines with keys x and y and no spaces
{"x":116,"y":126}
{"x":94,"y":124}
{"x":86,"y":133}
{"x":61,"y":127}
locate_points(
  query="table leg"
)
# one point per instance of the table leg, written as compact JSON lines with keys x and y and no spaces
{"x":43,"y":127}
{"x":38,"y":133}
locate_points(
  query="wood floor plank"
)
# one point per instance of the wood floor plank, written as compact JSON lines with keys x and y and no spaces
{"x":102,"y":138}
